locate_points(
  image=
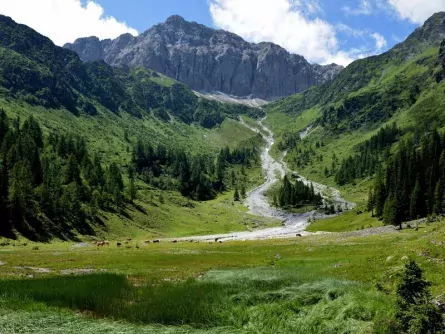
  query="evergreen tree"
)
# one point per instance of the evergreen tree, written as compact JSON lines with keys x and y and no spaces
{"x":390,"y":211}
{"x":243,"y":191}
{"x":379,"y":194}
{"x":132,"y":192}
{"x":20,"y":189}
{"x":416,"y":205}
{"x":275,"y":201}
{"x":439,"y":197}
{"x":414,"y":312}
{"x":236,"y":195}
{"x":371,"y":203}
{"x":72,"y":170}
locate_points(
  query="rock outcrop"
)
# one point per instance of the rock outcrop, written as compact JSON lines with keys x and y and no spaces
{"x":210,"y":60}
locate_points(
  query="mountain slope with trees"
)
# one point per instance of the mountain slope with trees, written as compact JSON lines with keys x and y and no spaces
{"x":80,"y":142}
{"x":376,"y":120}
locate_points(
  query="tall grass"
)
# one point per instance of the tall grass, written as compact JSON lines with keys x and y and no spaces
{"x":253,"y":302}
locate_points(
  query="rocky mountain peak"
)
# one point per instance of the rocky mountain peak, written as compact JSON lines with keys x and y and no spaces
{"x":210,"y":60}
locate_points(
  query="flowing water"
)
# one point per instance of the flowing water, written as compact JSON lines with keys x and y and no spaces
{"x":258,"y":204}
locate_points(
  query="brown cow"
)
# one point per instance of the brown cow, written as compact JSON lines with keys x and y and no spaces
{"x":118,"y":244}
{"x":147,"y":241}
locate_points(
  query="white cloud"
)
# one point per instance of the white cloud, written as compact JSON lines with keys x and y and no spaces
{"x":351,"y":31}
{"x":282,"y":22}
{"x":417,"y":11}
{"x":65,"y":20}
{"x":365,"y":8}
{"x":289,"y":23}
{"x":380,"y":41}
{"x":312,"y":7}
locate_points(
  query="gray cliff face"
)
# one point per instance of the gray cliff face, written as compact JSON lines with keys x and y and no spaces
{"x":210,"y":60}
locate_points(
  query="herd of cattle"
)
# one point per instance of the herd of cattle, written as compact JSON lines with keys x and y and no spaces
{"x":157,"y":241}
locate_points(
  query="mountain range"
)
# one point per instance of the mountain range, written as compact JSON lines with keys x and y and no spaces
{"x":210,"y":60}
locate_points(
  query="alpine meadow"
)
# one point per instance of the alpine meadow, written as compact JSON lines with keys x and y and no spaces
{"x":186,"y":180}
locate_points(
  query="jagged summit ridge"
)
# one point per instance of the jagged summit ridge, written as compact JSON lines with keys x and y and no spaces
{"x":210,"y":60}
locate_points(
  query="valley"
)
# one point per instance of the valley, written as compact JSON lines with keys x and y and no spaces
{"x":188,"y":181}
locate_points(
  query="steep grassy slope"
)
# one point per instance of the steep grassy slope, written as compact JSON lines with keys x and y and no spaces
{"x":403,"y":85}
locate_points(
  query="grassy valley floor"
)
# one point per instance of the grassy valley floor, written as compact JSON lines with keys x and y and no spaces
{"x":324,"y":283}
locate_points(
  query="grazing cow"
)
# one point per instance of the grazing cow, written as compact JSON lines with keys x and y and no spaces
{"x":220,"y":241}
{"x":94,"y":242}
{"x":175,"y":241}
{"x":118,"y":244}
{"x":126,"y":242}
{"x":156,"y":241}
{"x":129,"y":239}
{"x":216,"y":239}
{"x":147,"y":241}
{"x":190,"y":240}
{"x":298,"y":235}
{"x":106,"y":243}
{"x":100,"y":244}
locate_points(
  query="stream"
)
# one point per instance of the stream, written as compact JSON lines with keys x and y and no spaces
{"x":258,"y":204}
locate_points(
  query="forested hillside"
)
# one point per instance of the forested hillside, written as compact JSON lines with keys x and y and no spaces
{"x":381,"y":116}
{"x":81,"y":140}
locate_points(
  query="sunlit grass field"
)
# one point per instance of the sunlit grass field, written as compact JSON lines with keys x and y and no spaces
{"x":324,"y":283}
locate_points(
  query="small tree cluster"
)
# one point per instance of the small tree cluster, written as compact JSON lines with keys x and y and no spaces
{"x":297,"y":194}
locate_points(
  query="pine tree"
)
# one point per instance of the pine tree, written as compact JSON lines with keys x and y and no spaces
{"x":416,"y":204}
{"x":439,"y":197}
{"x":243,"y":170}
{"x":236,"y":195}
{"x":275,"y":201}
{"x":379,"y":194}
{"x":132,"y":192}
{"x":414,"y":311}
{"x":243,"y":191}
{"x":72,"y":170}
{"x":390,"y":212}
{"x":371,"y":203}
{"x":20,"y":189}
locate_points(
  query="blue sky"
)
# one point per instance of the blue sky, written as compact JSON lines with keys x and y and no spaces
{"x":323,"y":31}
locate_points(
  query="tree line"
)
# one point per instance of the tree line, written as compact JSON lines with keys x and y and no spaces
{"x":296,"y":195}
{"x":413,"y":183}
{"x":198,"y":176}
{"x":51,"y":182}
{"x":371,"y":152}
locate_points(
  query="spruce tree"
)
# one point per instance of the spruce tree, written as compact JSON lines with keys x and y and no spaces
{"x":243,"y":191}
{"x":390,"y":211}
{"x":132,"y":192}
{"x":236,"y":195}
{"x":414,"y":311}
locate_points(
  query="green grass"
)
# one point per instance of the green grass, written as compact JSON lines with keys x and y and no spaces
{"x":348,"y":221}
{"x":313,"y":284}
